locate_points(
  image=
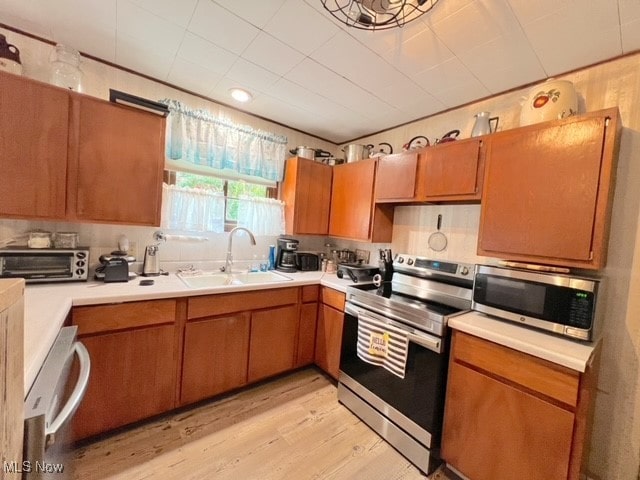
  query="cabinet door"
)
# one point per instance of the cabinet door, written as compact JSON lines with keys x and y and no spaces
{"x":273,"y":341}
{"x":493,"y":430}
{"x":307,"y":334}
{"x":34,"y":120}
{"x":451,"y":171}
{"x":396,"y":177}
{"x":541,"y":193}
{"x":133,"y":375}
{"x":352,"y":209}
{"x":117,"y":163}
{"x":306,"y":191}
{"x":329,"y":339}
{"x":215,"y":357}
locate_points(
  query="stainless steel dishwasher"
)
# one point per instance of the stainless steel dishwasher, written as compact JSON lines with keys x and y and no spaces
{"x":49,"y":405}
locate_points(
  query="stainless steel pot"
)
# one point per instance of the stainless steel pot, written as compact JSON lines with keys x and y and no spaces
{"x":355,"y":152}
{"x":304,"y":152}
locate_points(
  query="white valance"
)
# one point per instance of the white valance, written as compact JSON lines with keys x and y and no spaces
{"x":198,"y":137}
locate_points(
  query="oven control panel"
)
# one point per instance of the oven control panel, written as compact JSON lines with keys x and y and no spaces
{"x":422,"y":266}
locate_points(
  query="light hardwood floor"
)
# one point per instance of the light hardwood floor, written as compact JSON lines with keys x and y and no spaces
{"x":289,"y":428}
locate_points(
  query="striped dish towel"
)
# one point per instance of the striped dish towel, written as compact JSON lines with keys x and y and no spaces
{"x":381,"y":344}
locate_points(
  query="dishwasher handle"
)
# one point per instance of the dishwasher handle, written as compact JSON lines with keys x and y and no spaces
{"x":76,"y":396}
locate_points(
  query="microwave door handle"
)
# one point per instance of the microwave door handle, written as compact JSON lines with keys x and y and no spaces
{"x":76,"y":396}
{"x":431,"y":343}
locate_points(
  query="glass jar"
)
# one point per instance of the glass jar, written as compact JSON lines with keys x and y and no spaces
{"x":65,"y":68}
{"x":39,"y":240}
{"x":65,"y":240}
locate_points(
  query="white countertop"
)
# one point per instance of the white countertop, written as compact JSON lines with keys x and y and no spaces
{"x":562,"y":351}
{"x":47,"y":305}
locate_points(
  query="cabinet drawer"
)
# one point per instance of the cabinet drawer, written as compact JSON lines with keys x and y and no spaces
{"x":539,"y":375}
{"x":309,"y":293}
{"x":210,"y":305}
{"x":333,"y":298}
{"x":104,"y":318}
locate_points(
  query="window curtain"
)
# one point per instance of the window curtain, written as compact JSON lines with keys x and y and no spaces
{"x":202,"y":139}
{"x":263,"y":216}
{"x":192,"y":209}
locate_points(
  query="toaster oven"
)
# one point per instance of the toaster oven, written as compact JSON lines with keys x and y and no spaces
{"x":44,"y":264}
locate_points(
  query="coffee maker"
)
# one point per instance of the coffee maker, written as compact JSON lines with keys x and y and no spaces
{"x":286,"y":255}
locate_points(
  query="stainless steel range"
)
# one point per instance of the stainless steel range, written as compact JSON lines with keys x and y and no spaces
{"x":395,"y":350}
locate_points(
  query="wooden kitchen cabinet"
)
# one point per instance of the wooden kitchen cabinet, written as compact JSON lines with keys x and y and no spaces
{"x":451,"y":171}
{"x":116,"y":163}
{"x":548,"y":191}
{"x":69,"y":156}
{"x":273,"y":341}
{"x":307,"y":326}
{"x":237,"y":338}
{"x":354,"y":214}
{"x":306,"y":192}
{"x":396,"y":177}
{"x":34,"y":120}
{"x":511,"y":415}
{"x":216,"y":352}
{"x":134,"y":360}
{"x":329,"y":331}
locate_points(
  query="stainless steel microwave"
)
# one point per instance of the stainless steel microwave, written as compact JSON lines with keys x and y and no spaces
{"x":561,"y":304}
{"x":44,"y":264}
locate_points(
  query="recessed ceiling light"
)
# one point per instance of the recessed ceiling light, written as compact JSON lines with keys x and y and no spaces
{"x":240,"y":95}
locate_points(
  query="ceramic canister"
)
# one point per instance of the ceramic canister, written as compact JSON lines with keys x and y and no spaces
{"x":551,"y":100}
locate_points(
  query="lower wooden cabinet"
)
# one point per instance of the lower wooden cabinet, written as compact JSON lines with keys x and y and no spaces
{"x":272,"y":346}
{"x":511,"y":415}
{"x":132,"y":378}
{"x":149,"y":357}
{"x":329,"y":331}
{"x":134,"y":363}
{"x":215,"y":356}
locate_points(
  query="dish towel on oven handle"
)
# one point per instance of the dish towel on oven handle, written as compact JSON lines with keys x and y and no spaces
{"x":382,"y":344}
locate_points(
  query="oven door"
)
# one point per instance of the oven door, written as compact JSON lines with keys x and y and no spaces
{"x":414,"y":403}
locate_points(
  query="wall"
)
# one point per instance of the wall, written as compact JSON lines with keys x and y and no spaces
{"x":616,"y":434}
{"x":616,"y":437}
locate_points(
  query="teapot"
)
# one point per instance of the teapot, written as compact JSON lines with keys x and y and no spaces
{"x":415,"y":143}
{"x":449,"y":136}
{"x":483,"y":126}
{"x":9,"y":57}
{"x":382,"y":152}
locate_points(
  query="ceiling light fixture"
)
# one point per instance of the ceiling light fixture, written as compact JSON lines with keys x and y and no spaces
{"x":377,"y":14}
{"x":240,"y":95}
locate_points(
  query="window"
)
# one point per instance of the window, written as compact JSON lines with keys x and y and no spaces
{"x":231,"y":192}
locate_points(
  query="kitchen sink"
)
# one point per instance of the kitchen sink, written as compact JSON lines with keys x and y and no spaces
{"x":219,"y":279}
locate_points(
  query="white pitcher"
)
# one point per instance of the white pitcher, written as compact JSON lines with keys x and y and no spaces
{"x":483,"y":124}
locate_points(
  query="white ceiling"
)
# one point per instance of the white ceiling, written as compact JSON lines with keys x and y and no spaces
{"x":308,"y":71}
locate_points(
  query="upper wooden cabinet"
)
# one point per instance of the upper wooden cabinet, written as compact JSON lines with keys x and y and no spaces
{"x":116,"y":163}
{"x":68,"y":156}
{"x":451,"y":171}
{"x":34,"y":119}
{"x":306,"y":192}
{"x":548,"y":191}
{"x":354,"y":214}
{"x":396,"y":177}
{"x":447,"y":172}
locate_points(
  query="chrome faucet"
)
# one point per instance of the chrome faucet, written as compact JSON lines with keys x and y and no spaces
{"x":229,"y":260}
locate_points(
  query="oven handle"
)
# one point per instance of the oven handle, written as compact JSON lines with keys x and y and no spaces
{"x":76,"y":396}
{"x":423,"y":339}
